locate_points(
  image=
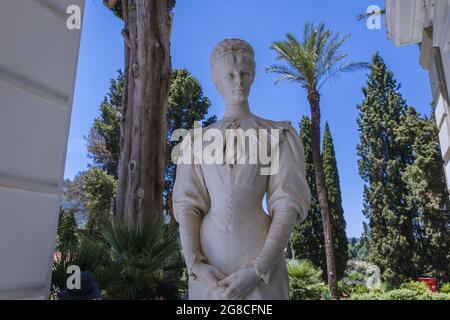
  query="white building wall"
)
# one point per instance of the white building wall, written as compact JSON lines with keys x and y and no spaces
{"x":38,"y":60}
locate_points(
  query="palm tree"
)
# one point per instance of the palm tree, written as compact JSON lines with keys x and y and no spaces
{"x":88,"y":255}
{"x":305,"y":280}
{"x":142,"y":256}
{"x":128,"y":261}
{"x":311,"y":63}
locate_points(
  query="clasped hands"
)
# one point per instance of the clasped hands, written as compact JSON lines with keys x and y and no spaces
{"x":232,"y":287}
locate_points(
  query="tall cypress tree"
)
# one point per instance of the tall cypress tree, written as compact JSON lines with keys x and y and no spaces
{"x":428,"y":196}
{"x":383,"y":159}
{"x":340,"y":241}
{"x":307,"y":240}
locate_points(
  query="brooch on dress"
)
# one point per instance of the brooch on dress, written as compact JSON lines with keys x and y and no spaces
{"x":231,"y":123}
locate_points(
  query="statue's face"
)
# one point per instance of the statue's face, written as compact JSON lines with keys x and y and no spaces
{"x":233,"y":79}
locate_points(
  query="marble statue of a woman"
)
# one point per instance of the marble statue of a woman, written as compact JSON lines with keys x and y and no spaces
{"x":232,"y":248}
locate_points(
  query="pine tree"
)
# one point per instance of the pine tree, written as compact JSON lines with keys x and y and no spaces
{"x":103,"y":139}
{"x":186,"y":105}
{"x":307,"y":240}
{"x":383,"y":160}
{"x":67,"y":229}
{"x":333,"y":187}
{"x":94,"y":190}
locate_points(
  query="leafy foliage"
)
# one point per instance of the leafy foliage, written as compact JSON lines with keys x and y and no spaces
{"x":445,"y":288}
{"x":405,"y":197}
{"x":103,"y":140}
{"x":381,"y":165}
{"x":427,"y":195}
{"x":127,"y":261}
{"x":141,"y":256}
{"x":332,"y":184}
{"x":88,"y":255}
{"x":315,"y":60}
{"x":400,"y":294}
{"x":94,"y":189}
{"x":67,"y":229}
{"x":311,"y":63}
{"x":305,"y":280}
{"x":186,"y":105}
{"x":307,"y":239}
{"x":416,"y":286}
{"x":92,"y":192}
{"x":116,"y":6}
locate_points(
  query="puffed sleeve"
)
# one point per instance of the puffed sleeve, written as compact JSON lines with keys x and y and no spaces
{"x":190,"y":194}
{"x":288,"y":199}
{"x":191,"y":202}
{"x":288,"y":189}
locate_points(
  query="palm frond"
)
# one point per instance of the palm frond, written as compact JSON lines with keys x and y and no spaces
{"x":144,"y":254}
{"x":314,"y":60}
{"x":305,"y":280}
{"x":366,"y":15}
{"x":346,"y":67}
{"x":88,"y":255}
{"x":286,"y":73}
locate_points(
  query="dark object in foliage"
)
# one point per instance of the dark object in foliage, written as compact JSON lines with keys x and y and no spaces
{"x":167,"y":291}
{"x":89,"y":289}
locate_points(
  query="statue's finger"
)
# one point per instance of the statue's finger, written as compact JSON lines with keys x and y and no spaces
{"x":226,"y":282}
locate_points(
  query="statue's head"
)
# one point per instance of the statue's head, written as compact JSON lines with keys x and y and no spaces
{"x":233,"y":69}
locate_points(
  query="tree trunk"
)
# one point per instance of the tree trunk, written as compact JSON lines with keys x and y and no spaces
{"x":173,"y":225}
{"x":143,"y":133}
{"x":314,"y":101}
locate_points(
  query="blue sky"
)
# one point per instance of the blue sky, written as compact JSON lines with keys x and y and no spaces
{"x":200,"y":24}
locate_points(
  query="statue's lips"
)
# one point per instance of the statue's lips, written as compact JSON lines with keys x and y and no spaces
{"x":240,"y":92}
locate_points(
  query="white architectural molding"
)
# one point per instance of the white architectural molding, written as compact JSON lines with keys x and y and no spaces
{"x":30,"y":184}
{"x":51,"y":9}
{"x":441,"y":112}
{"x":444,"y":139}
{"x":23,"y":294}
{"x":405,"y":20}
{"x":33,"y":87}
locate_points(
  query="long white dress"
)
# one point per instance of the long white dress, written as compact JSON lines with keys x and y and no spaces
{"x":229,"y":197}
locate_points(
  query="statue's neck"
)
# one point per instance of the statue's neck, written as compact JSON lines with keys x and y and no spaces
{"x":237,"y":111}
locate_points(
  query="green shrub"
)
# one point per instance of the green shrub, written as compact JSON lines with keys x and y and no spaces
{"x":88,"y":255}
{"x":412,"y":290}
{"x":401,"y":294}
{"x":416,"y":286}
{"x":440,"y":296}
{"x":305,"y":280}
{"x":141,"y":257}
{"x":445,"y":288}
{"x":359,"y":289}
{"x":127,"y":261}
{"x":365,"y":296}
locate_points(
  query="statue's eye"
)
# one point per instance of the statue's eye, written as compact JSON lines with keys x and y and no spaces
{"x":231,"y":75}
